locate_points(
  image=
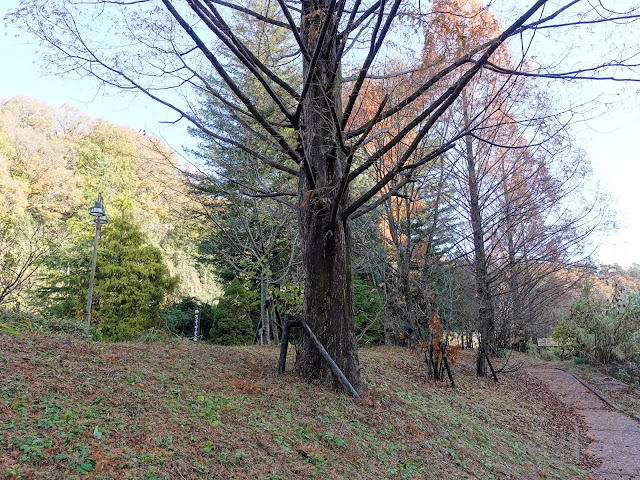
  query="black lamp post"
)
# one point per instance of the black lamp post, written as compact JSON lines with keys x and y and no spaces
{"x":100,"y":217}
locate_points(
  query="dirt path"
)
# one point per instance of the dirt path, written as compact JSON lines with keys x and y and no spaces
{"x":615,"y":436}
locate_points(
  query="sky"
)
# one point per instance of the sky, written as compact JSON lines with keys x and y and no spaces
{"x":610,"y":141}
{"x":611,"y":144}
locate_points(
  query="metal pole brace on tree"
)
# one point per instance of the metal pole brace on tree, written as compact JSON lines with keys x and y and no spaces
{"x":288,"y":323}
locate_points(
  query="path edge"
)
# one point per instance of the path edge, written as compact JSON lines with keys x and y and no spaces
{"x":599,"y":394}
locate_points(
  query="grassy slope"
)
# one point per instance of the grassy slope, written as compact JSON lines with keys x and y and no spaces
{"x":188,"y":411}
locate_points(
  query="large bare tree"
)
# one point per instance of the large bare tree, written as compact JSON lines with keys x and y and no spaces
{"x":167,"y":48}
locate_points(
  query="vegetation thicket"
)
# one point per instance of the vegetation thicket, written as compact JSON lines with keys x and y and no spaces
{"x":233,"y":322}
{"x":132,"y":283}
{"x":603,"y":325}
{"x":368,"y":312}
{"x":179,"y":317}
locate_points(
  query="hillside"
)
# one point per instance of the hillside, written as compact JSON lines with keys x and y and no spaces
{"x":180,"y":410}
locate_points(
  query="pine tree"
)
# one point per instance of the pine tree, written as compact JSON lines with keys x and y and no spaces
{"x":131,"y":282}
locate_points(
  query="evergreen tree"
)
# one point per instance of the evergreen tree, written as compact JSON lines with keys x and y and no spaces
{"x":178,"y":317}
{"x":131,"y":282}
{"x":368,"y":312}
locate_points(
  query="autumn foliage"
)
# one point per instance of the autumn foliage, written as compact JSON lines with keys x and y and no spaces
{"x":438,"y":349}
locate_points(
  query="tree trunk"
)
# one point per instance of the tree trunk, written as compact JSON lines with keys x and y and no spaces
{"x":325,"y":244}
{"x":328,"y":299}
{"x":428,"y":252}
{"x":265,"y":336}
{"x":400,"y":233}
{"x":483,"y":291}
{"x":514,"y":286}
{"x":514,"y":318}
{"x":385,"y":318}
{"x":405,"y":270}
{"x":405,"y":287}
{"x":274,"y":325}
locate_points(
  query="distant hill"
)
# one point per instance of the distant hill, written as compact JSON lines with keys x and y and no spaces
{"x":54,"y":161}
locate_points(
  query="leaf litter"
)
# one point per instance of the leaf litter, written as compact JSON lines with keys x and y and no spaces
{"x":179,"y":410}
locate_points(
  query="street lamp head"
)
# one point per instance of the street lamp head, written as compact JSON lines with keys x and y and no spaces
{"x":102,"y":219}
{"x":97,"y":210}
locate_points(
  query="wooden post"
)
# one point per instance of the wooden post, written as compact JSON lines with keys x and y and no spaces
{"x":87,"y":315}
{"x":428,"y":364}
{"x":288,"y":323}
{"x":446,"y":365}
{"x":332,"y":365}
{"x":284,"y":345}
{"x":495,"y":378}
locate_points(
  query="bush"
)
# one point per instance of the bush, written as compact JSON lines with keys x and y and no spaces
{"x":178,"y":317}
{"x":549,"y":354}
{"x":602,"y":332}
{"x":629,"y":374}
{"x":155,"y":336}
{"x":132,"y":283}
{"x":232,"y":318}
{"x":533,"y":350}
{"x":13,"y":323}
{"x":437,"y":349}
{"x":65,"y":326}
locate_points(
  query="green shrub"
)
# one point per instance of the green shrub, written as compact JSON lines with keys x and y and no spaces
{"x":16,"y":322}
{"x":65,"y":326}
{"x":178,"y":317}
{"x":533,"y":349}
{"x":9,"y":324}
{"x":602,"y":332}
{"x":232,"y":317}
{"x":289,"y":297}
{"x":131,"y":283}
{"x":206,"y":320}
{"x":156,"y":336}
{"x":629,"y":374}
